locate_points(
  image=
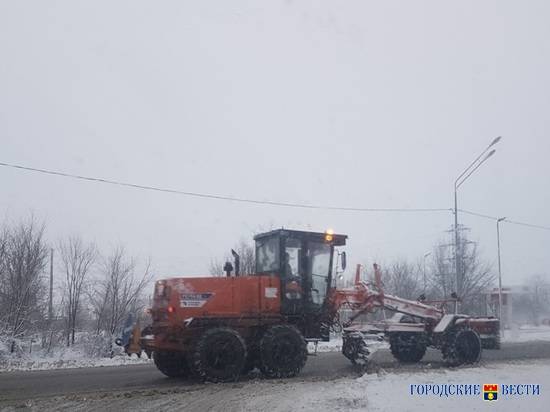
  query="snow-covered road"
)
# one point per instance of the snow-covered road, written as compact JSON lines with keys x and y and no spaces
{"x":327,"y":383}
{"x":381,"y":391}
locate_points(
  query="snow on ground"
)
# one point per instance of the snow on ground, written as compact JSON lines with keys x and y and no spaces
{"x":334,"y":345}
{"x":74,"y":360}
{"x":526,"y":333}
{"x":382,"y":391}
{"x":391,"y":391}
{"x":78,"y":356}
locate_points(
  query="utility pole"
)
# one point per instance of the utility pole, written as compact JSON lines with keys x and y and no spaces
{"x":50,"y":302}
{"x":457,"y":245}
{"x":458,"y":182}
{"x":499,"y":276}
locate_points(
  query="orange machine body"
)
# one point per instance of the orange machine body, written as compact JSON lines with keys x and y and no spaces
{"x":240,"y":296}
{"x":183,"y":305}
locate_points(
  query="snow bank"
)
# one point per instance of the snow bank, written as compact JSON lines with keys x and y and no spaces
{"x":391,"y":391}
{"x":90,"y":351}
{"x":68,"y":360}
{"x":526,"y":333}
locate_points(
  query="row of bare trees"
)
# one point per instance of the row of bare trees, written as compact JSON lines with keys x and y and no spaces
{"x":435,"y":278}
{"x":94,"y":292}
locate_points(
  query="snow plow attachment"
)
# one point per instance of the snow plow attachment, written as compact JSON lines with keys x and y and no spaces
{"x":132,"y":337}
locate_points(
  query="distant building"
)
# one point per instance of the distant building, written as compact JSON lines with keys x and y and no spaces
{"x":521,"y":304}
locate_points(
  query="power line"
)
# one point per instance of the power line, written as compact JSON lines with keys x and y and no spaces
{"x":221,"y":197}
{"x":513,"y":222}
{"x":261,"y":202}
{"x":468,"y":212}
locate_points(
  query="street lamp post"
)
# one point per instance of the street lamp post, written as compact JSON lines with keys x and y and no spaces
{"x":458,"y":182}
{"x":499,"y":276}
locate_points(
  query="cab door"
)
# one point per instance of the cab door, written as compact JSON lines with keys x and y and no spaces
{"x":292,"y":276}
{"x":317,"y":277}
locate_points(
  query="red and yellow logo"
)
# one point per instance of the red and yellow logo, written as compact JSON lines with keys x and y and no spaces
{"x":490,"y":392}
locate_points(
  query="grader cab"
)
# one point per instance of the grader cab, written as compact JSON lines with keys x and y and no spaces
{"x":218,"y":328}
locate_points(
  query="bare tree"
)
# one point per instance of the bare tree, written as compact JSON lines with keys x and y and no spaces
{"x":442,"y":274}
{"x":77,"y":259}
{"x":23,"y":256}
{"x":119,"y":291}
{"x":3,"y":278}
{"x":477,"y":276}
{"x":247,"y":260}
{"x":98,"y":294}
{"x":403,"y":279}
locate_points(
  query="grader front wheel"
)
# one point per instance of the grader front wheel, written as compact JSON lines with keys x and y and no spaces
{"x":462,"y":346}
{"x":283,"y":352}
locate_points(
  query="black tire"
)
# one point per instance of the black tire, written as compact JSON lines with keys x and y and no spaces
{"x":408,"y":347}
{"x":219,"y":355}
{"x":462,"y":346}
{"x":355,"y":349}
{"x":171,"y":364}
{"x":283,"y":352}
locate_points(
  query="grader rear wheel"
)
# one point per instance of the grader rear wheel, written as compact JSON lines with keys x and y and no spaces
{"x":283,"y":352}
{"x":219,"y":355}
{"x":171,"y":364}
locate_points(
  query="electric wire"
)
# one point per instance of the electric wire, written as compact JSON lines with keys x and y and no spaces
{"x":220,"y":197}
{"x":258,"y":201}
{"x":512,"y":222}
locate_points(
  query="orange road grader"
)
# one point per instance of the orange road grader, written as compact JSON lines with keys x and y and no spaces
{"x":218,"y":328}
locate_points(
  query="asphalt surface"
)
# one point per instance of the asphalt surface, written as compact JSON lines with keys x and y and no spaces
{"x":21,"y":386}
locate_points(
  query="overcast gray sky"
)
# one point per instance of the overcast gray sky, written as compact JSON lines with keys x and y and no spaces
{"x":356,"y":103}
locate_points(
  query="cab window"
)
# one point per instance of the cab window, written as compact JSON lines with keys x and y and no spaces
{"x":267,"y":255}
{"x":319,"y":268}
{"x":293,"y":253}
